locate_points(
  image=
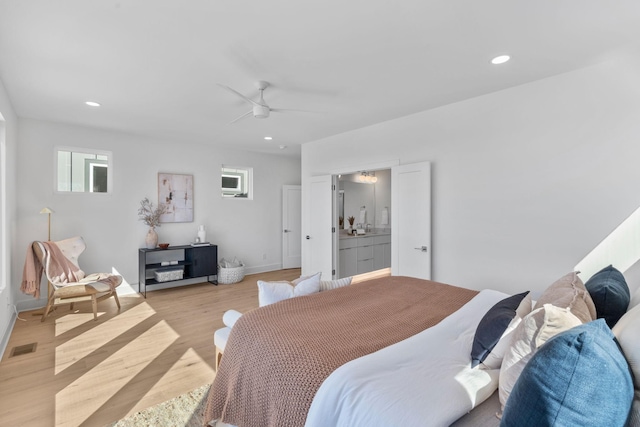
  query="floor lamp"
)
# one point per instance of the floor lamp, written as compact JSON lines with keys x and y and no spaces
{"x":48,"y":212}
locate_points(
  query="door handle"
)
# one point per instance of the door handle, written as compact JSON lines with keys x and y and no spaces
{"x":308,"y":237}
{"x":421,"y":249}
{"x":287,"y":231}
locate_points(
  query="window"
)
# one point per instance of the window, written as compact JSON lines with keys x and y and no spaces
{"x":237,"y":182}
{"x":80,"y":170}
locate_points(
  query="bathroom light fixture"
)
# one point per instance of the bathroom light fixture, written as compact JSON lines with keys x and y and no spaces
{"x":92,"y":104}
{"x":368,"y":177}
{"x":268,"y":138}
{"x":500,"y":59}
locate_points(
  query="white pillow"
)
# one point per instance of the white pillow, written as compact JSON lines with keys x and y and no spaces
{"x":533,"y":331}
{"x":230,"y":317}
{"x":272,"y":292}
{"x":495,"y":357}
{"x":327,"y":285}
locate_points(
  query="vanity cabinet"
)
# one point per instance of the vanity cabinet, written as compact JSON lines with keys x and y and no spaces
{"x":348,"y":257}
{"x":363,"y":254}
{"x":382,"y":252}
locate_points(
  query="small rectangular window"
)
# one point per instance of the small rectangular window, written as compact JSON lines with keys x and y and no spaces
{"x":237,"y":182}
{"x":80,"y":170}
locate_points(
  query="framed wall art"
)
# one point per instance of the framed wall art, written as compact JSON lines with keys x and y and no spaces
{"x":175,"y":192}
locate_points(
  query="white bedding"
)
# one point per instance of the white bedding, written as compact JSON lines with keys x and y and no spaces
{"x":424,"y":380}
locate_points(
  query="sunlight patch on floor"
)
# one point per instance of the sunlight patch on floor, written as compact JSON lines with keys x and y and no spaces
{"x":84,"y":396}
{"x":76,"y":348}
{"x":188,"y":373}
{"x":620,"y":248}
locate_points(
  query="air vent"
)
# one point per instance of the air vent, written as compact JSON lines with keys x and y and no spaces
{"x":23,"y":349}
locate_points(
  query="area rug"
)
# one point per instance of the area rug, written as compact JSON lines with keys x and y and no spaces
{"x":185,"y":410}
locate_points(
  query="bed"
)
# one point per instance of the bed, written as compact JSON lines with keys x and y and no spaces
{"x":386,"y":352}
{"x":278,"y":357}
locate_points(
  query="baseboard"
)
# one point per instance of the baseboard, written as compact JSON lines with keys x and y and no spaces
{"x":7,"y":334}
{"x":263,"y":268}
{"x":33,"y":304}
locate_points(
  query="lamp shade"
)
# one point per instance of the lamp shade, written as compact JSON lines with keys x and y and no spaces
{"x":46,"y":211}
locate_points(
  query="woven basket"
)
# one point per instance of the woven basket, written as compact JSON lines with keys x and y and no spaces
{"x":229,"y":275}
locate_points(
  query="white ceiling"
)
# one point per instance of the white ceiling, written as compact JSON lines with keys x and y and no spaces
{"x":154,"y":65}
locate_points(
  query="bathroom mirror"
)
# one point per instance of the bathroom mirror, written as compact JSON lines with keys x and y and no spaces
{"x":355,"y":194}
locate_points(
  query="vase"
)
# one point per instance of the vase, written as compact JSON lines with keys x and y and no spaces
{"x":152,"y":238}
{"x":202,"y":234}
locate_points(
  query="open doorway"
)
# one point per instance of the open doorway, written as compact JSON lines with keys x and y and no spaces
{"x":363,"y":212}
{"x":409,"y":215}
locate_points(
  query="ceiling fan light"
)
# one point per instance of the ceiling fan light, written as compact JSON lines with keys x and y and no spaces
{"x":260,"y":111}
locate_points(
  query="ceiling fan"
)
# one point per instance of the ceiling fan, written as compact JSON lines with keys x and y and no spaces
{"x":260,"y":108}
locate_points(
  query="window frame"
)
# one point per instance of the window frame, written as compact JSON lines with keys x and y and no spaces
{"x":237,"y":171}
{"x":109,"y":165}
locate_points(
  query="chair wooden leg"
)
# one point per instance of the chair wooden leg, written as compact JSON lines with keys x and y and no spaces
{"x":115,"y":295}
{"x":94,"y":303}
{"x":50,"y":301}
{"x":71,"y":307}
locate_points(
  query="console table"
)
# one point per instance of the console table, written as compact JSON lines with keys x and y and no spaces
{"x":195,"y":261}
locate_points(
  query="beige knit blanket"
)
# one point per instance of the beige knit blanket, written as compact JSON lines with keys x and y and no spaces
{"x":277,"y":356}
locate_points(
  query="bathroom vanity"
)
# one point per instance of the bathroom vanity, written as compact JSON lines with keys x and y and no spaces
{"x":364,"y":253}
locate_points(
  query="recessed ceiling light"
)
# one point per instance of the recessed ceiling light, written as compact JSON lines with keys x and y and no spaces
{"x":92,"y":104}
{"x":268,"y":138}
{"x":282,"y":147}
{"x":500,"y":59}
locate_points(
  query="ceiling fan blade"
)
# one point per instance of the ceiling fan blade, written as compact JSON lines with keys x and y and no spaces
{"x":238,"y":94}
{"x":290,"y":110}
{"x":238,"y":118}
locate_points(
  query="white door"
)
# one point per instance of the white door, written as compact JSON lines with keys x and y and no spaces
{"x":291,"y":226}
{"x":411,"y":220}
{"x":317,"y":239}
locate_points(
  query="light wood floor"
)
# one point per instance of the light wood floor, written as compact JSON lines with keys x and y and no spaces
{"x":91,"y":373}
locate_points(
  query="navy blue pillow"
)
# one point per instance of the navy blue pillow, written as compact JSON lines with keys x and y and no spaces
{"x":610,"y":294}
{"x":492,"y":326}
{"x":578,"y":378}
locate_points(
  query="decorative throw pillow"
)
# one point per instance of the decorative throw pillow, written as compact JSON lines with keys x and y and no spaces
{"x":569,"y":292}
{"x":610,"y":294}
{"x":327,"y":285}
{"x":626,"y":331}
{"x":534,"y":330}
{"x":495,"y":325}
{"x":230,"y":317}
{"x":564,"y":383}
{"x":272,"y":292}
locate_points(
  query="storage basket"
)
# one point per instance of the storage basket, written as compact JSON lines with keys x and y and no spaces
{"x":229,"y":275}
{"x":168,"y":275}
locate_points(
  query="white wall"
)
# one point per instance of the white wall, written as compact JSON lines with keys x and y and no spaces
{"x":526,"y":181}
{"x":109,"y":224}
{"x":7,"y":290}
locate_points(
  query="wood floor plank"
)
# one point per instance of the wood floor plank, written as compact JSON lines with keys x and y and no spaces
{"x":93,"y":373}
